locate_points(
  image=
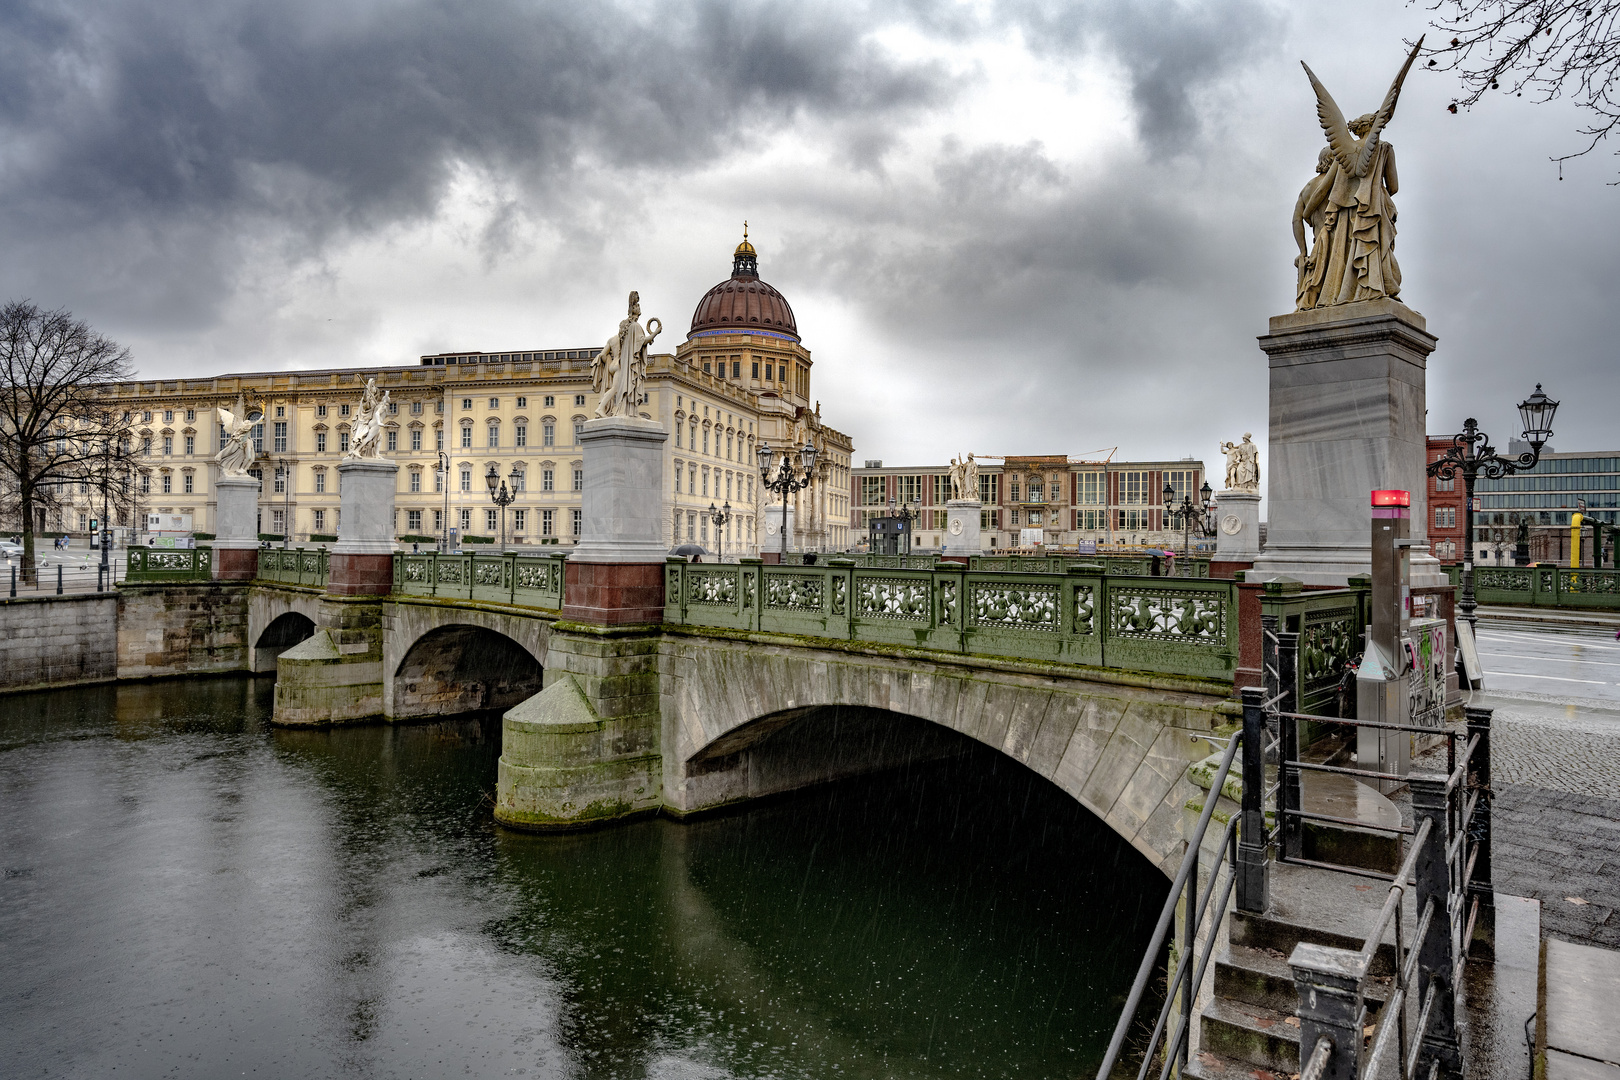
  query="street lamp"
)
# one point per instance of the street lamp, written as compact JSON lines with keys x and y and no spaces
{"x":720,"y":518}
{"x":501,"y":498}
{"x":444,"y":486}
{"x":908,"y":513}
{"x":782,"y":478}
{"x":1472,"y":454}
{"x":1201,"y":512}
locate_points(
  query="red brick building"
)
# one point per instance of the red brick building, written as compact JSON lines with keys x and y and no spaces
{"x":1445,"y":509}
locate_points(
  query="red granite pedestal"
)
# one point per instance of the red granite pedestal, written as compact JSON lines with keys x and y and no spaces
{"x":360,"y":575}
{"x":235,"y":564}
{"x":613,"y":594}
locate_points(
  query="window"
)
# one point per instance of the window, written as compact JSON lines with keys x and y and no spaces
{"x":320,"y":442}
{"x":756,"y":369}
{"x":320,"y":483}
{"x":146,"y":417}
{"x":520,"y":435}
{"x":1135,"y":490}
{"x":279,"y":436}
{"x":168,"y":483}
{"x":281,"y":410}
{"x":466,"y":520}
{"x":416,"y":480}
{"x":168,"y":416}
{"x":343,"y":442}
{"x":416,"y":438}
{"x":191,"y":445}
{"x":910,"y":488}
{"x":548,"y":434}
{"x":736,"y":369}
{"x":1015,"y":517}
{"x":438,"y":480}
{"x":1013,"y":491}
{"x":494,"y":402}
{"x":191,"y":415}
{"x":1090,"y":489}
{"x":393,"y":441}
{"x":520,"y":521}
{"x":677,"y":478}
{"x":494,"y":436}
{"x":320,"y":515}
{"x":579,"y":400}
{"x":279,"y":484}
{"x":416,"y":408}
{"x":343,"y":410}
{"x":466,"y":479}
{"x":466,"y":404}
{"x":277,"y":521}
{"x":872,"y":491}
{"x":466,"y":437}
{"x":519,"y":480}
{"x":705,"y":483}
{"x":320,"y":410}
{"x":579,"y":479}
{"x":1037,"y":493}
{"x":1445,"y":485}
{"x":548,"y":523}
{"x":579,"y":431}
{"x":438,"y":521}
{"x":691,"y":479}
{"x":185,"y":483}
{"x":168,"y":445}
{"x":547,"y":480}
{"x":491,"y":521}
{"x":413,"y":521}
{"x":523,"y":403}
{"x":550,"y":401}
{"x":1445,"y":517}
{"x":146,"y":483}
{"x":705,"y":440}
{"x":578,"y":521}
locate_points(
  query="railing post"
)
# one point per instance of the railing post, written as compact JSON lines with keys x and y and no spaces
{"x":1290,"y":794}
{"x":58,"y":579}
{"x":1189,"y":952}
{"x":1481,"y":884}
{"x":1254,"y":881}
{"x":1437,"y":956}
{"x":1328,"y":984}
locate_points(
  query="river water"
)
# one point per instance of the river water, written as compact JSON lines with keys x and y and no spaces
{"x":189,"y":892}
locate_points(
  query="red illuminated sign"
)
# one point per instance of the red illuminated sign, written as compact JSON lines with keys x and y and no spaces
{"x":1392,"y":498}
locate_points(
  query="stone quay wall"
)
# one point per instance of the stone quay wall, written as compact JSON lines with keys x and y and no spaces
{"x":58,"y":640}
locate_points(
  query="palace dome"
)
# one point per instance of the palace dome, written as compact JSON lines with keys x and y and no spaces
{"x":743,"y":303}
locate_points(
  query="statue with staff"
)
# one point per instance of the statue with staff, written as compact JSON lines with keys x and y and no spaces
{"x":1348,"y":205}
{"x":618,"y":371}
{"x":368,"y":426}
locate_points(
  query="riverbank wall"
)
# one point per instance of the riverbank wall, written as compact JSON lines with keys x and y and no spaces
{"x":58,"y":641}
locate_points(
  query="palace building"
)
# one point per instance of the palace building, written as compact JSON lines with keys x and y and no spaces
{"x":1070,"y":501}
{"x":739,"y":381}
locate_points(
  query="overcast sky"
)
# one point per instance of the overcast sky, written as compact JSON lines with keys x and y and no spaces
{"x":1021,"y":227}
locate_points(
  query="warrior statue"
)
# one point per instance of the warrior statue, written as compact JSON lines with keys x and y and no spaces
{"x":1348,"y":206}
{"x":368,"y":426}
{"x":619,"y":369}
{"x":237,"y":454}
{"x":1242,"y":465}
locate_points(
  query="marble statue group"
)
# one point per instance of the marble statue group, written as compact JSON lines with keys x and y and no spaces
{"x":618,"y":371}
{"x":964,"y":473}
{"x":368,"y":426}
{"x":1348,"y":206}
{"x":236,"y":454}
{"x":1242,"y":464}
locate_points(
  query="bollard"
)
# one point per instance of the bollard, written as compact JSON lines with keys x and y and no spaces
{"x":1291,"y":793}
{"x":1480,"y":884}
{"x":1436,"y":959}
{"x":14,"y":583}
{"x":1253,"y":883}
{"x":1328,"y":987}
{"x":58,"y":579}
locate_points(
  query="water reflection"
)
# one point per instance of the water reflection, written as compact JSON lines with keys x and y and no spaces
{"x":189,"y":892}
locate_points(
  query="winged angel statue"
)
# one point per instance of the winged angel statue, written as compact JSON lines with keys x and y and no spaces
{"x":1348,"y":205}
{"x":237,"y":454}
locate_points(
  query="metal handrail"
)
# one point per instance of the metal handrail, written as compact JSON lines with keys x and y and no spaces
{"x":1189,"y":863}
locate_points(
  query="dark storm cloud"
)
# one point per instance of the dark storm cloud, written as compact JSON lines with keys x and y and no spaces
{"x":162,"y":123}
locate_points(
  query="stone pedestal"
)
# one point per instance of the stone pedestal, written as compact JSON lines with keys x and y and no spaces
{"x":962,"y":527}
{"x":236,"y":528}
{"x":1347,"y":417}
{"x":772,"y":519}
{"x":362,"y":562}
{"x":1237,"y":526}
{"x":615,"y":574}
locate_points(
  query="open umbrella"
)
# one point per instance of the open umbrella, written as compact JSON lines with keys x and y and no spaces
{"x":689,"y":551}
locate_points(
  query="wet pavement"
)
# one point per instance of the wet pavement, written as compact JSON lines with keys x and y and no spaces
{"x":1551,"y":663}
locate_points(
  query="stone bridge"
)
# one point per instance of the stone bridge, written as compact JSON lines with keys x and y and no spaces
{"x":684,"y":717}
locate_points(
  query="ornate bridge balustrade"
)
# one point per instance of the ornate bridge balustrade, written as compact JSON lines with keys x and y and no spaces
{"x":1168,"y":626}
{"x":293,"y":566}
{"x":1544,"y":585}
{"x":169,"y":564}
{"x":529,"y":580}
{"x":1328,"y":625}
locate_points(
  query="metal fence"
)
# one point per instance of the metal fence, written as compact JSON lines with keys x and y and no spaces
{"x":1544,"y":585}
{"x":1179,"y":627}
{"x":59,"y":578}
{"x":529,"y":580}
{"x":293,"y":566}
{"x":169,"y":564}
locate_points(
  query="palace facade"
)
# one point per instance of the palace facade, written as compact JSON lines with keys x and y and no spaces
{"x":740,"y":380}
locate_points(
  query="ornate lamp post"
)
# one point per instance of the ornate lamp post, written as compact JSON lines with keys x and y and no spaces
{"x":1472,"y":454}
{"x":502,"y":497}
{"x":444,"y":485}
{"x":1189,"y":512}
{"x":782,"y":478}
{"x":720,"y":518}
{"x":908,"y":513}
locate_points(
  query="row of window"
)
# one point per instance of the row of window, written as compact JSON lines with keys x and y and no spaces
{"x":546,"y":518}
{"x":773,"y":372}
{"x":744,"y":487}
{"x":1090,"y":488}
{"x":549,"y":401}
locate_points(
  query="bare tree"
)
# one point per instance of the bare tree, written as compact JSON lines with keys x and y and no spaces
{"x":1547,"y":48}
{"x":58,"y":424}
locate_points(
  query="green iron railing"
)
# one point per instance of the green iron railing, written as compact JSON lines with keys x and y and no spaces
{"x":169,"y":564}
{"x":1168,"y":626}
{"x":293,"y":566}
{"x":529,"y":580}
{"x":1330,"y":624}
{"x":1543,"y":585}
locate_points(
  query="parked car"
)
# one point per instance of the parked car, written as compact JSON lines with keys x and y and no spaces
{"x":10,"y":549}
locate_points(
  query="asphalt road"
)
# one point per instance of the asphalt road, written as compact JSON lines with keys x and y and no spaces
{"x":1545,"y":663}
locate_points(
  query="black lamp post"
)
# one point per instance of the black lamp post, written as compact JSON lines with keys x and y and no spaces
{"x":1189,"y":512}
{"x":908,"y":513}
{"x":106,"y":533}
{"x":444,"y":487}
{"x":782,"y":478}
{"x":1472,"y":454}
{"x":501,"y":497}
{"x":720,"y":518}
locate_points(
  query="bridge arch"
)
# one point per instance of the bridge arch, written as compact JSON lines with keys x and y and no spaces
{"x":278,"y":619}
{"x":460,"y":667}
{"x":1120,"y":750}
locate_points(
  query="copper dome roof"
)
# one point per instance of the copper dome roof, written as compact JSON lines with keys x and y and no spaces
{"x":744,"y":303}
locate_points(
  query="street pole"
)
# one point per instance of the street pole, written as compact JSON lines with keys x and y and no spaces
{"x":444,"y":484}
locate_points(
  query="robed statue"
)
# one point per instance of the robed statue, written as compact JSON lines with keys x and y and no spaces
{"x":620,"y":368}
{"x":236,"y":454}
{"x":368,"y":426}
{"x":1348,"y":206}
{"x":1242,"y":464}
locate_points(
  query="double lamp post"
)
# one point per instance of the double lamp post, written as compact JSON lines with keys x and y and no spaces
{"x":780,"y":477}
{"x":1189,"y":513}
